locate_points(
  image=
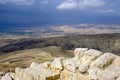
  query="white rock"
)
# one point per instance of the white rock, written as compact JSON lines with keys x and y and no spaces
{"x":47,"y":64}
{"x":33,"y":65}
{"x":114,"y":69}
{"x":27,"y":76}
{"x":57,"y":64}
{"x":104,"y":60}
{"x":104,"y":75}
{"x":85,"y":61}
{"x":6,"y":78}
{"x":90,"y":55}
{"x":83,"y":67}
{"x":18,"y":74}
{"x":12,"y":75}
{"x":78,"y":52}
{"x":93,"y":74}
{"x":70,"y":65}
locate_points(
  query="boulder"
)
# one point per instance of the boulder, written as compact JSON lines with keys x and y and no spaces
{"x":93,"y":74}
{"x":47,"y":64}
{"x":114,"y":70}
{"x":2,"y":73}
{"x":27,"y":76}
{"x":57,"y":64}
{"x":104,"y":60}
{"x":6,"y":78}
{"x":70,"y":65}
{"x":11,"y":74}
{"x":33,"y":65}
{"x":89,"y":57}
{"x":118,"y":78}
{"x":104,"y":75}
{"x":83,"y":67}
{"x":86,"y":65}
{"x":78,"y":52}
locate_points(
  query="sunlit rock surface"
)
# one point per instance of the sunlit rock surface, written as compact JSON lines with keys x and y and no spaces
{"x":88,"y":64}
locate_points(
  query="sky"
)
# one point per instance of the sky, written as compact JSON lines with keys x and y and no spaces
{"x":58,"y":12}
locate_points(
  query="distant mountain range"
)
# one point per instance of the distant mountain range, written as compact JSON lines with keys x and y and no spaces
{"x":52,"y":31}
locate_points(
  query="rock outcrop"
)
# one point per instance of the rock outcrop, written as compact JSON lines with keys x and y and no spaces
{"x":88,"y":64}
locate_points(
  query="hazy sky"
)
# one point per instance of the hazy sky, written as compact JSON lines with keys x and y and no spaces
{"x":52,"y":12}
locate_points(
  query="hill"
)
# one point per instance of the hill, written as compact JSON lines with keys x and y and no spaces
{"x":102,"y":42}
{"x":23,"y":58}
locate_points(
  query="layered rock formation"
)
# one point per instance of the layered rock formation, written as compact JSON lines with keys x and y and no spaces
{"x":88,"y":64}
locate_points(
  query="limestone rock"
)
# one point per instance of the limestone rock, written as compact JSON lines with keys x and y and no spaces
{"x":2,"y":73}
{"x":83,"y":67}
{"x":114,"y":69}
{"x":6,"y":78}
{"x":11,"y":74}
{"x":87,"y":59}
{"x":78,"y":52}
{"x":86,"y":65}
{"x":93,"y":74}
{"x":118,"y":78}
{"x":70,"y":65}
{"x":90,"y":55}
{"x":104,"y":60}
{"x":33,"y":65}
{"x":47,"y":64}
{"x":57,"y":64}
{"x":104,"y":75}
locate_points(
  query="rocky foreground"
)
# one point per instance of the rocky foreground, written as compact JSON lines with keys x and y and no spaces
{"x":86,"y":65}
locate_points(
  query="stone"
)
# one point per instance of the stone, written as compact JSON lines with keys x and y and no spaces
{"x":114,"y":70}
{"x":117,"y":61}
{"x":70,"y":65}
{"x":104,"y":60}
{"x":6,"y":78}
{"x":19,"y":73}
{"x":83,"y":67}
{"x":118,"y":78}
{"x":1,"y":77}
{"x":86,"y":65}
{"x":2,"y":73}
{"x":27,"y":76}
{"x":47,"y":64}
{"x":104,"y":75}
{"x":78,"y":52}
{"x":93,"y":74}
{"x":57,"y":64}
{"x":85,"y":61}
{"x":33,"y":65}
{"x":90,"y":55}
{"x":11,"y":74}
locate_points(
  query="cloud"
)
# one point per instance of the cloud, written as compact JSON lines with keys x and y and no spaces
{"x":91,"y":3}
{"x":71,"y":4}
{"x":107,"y":11}
{"x":17,"y":2}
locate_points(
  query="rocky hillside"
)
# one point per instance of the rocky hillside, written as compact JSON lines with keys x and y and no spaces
{"x":87,"y":64}
{"x":102,"y":42}
{"x":23,"y":58}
